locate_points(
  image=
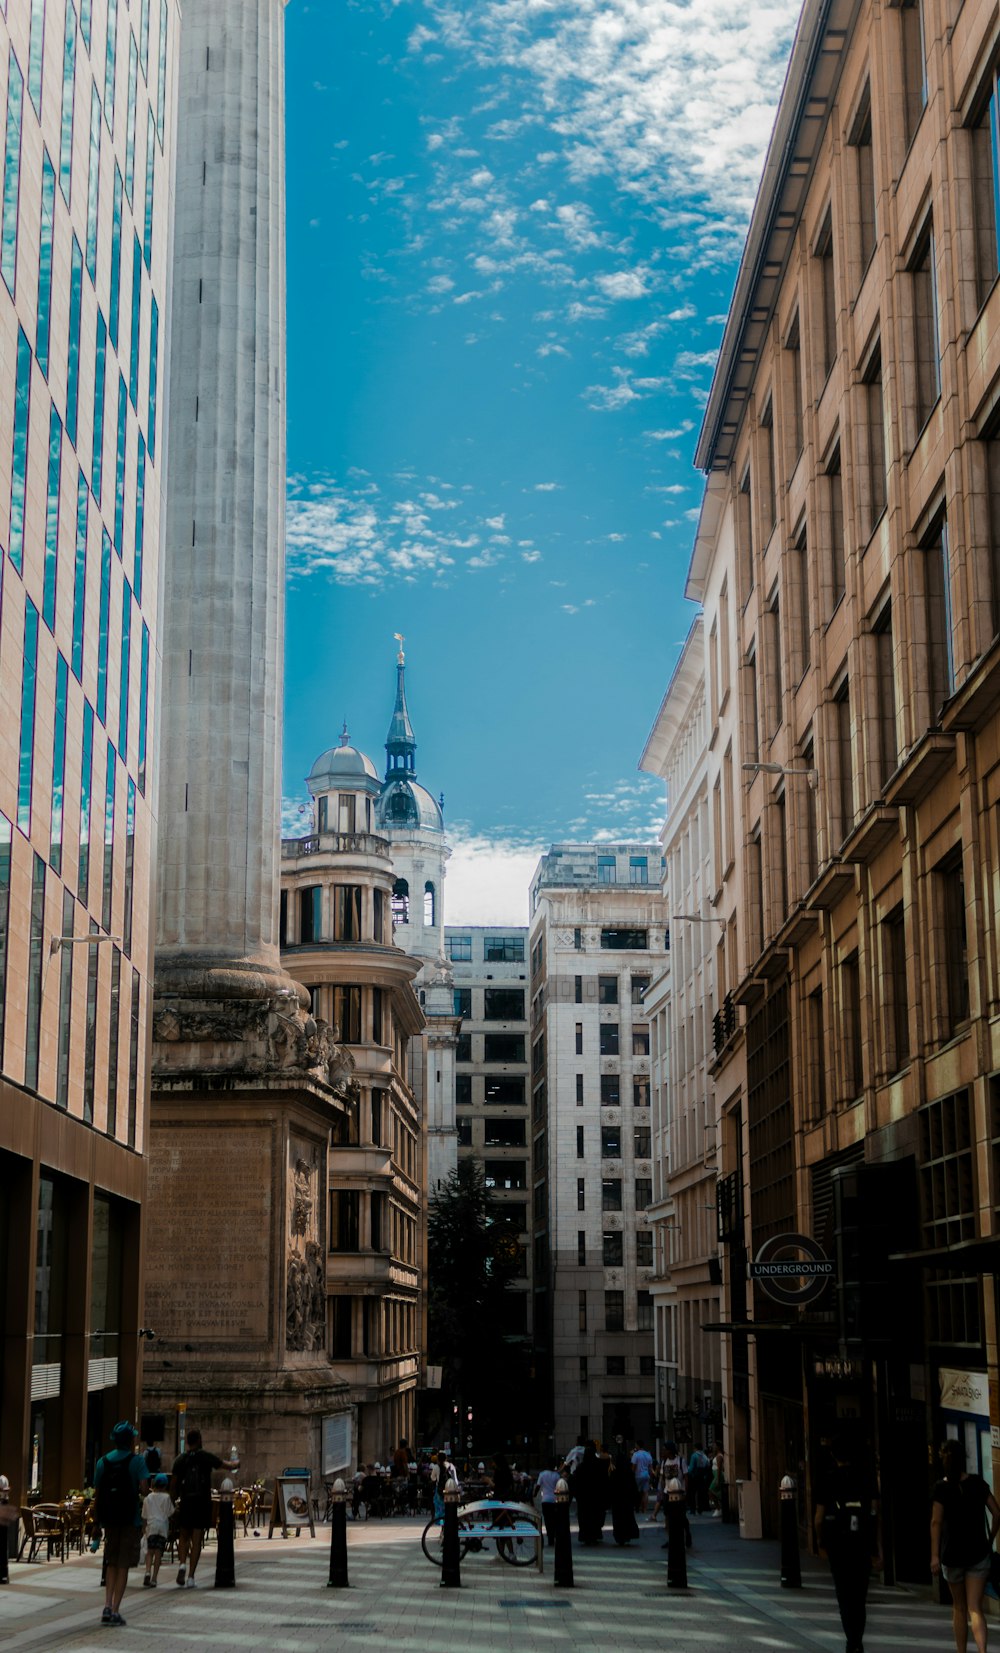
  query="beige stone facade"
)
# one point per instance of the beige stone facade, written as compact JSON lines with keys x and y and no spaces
{"x":851,"y":523}
{"x":88,"y":120}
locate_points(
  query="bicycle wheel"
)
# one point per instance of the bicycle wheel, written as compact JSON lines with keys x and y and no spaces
{"x":432,"y":1542}
{"x":517,"y":1552}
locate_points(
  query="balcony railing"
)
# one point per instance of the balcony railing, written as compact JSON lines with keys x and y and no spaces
{"x":336,"y":843}
{"x":724,"y":1024}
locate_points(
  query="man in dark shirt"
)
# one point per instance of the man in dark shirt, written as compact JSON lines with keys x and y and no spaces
{"x":191,"y":1488}
{"x":848,"y":1530}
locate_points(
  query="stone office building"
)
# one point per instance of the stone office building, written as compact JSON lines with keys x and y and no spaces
{"x":490,"y":970}
{"x":596,"y":938}
{"x":853,"y":517}
{"x":88,"y":95}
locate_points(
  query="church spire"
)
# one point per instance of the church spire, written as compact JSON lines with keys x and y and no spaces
{"x":400,"y":746}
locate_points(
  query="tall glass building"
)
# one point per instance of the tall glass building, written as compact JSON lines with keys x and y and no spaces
{"x":86,"y":100}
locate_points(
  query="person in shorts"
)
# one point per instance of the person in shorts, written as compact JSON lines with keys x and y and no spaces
{"x":157,"y":1508}
{"x":191,"y":1487}
{"x":848,"y":1528}
{"x":119,"y":1484}
{"x":961,"y":1545}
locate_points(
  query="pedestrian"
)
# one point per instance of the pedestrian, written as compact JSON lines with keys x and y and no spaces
{"x":717,"y":1485}
{"x":157,"y":1508}
{"x":191,"y":1487}
{"x":673,"y":1467}
{"x":548,"y":1481}
{"x":590,"y":1489}
{"x":503,"y":1478}
{"x":642,"y":1469}
{"x":119,"y":1484}
{"x":699,"y":1475}
{"x":401,"y":1460}
{"x":574,"y":1457}
{"x":848,"y":1531}
{"x":961,"y":1547}
{"x":622,"y":1490}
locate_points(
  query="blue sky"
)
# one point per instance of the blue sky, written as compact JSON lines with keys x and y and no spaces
{"x":513,"y":231}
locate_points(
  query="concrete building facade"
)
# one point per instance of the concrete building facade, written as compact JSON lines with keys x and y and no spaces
{"x":597,"y":936}
{"x":337,"y":938}
{"x":686,"y":1291}
{"x":490,"y":970}
{"x":88,"y":177}
{"x":851,"y":434}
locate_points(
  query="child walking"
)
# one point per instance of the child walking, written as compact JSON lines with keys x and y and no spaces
{"x":157,"y":1508}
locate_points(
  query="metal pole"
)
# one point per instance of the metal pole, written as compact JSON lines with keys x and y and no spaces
{"x":338,"y":1579}
{"x":791,"y":1570}
{"x":563,"y":1562}
{"x":677,"y":1573}
{"x":451,"y":1569}
{"x":225,"y":1555}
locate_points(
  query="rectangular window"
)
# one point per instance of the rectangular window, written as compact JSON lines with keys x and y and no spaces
{"x":123,"y":680}
{"x":147,"y":231}
{"x":144,"y":37}
{"x":578,"y":1046}
{"x":644,"y":1248}
{"x":378,"y":915}
{"x":114,"y":301}
{"x":638,"y":869}
{"x":133,"y":373}
{"x":463,"y":1050}
{"x":114,"y":1023}
{"x":639,"y":987}
{"x":624,"y":941}
{"x":614,"y":1251}
{"x":816,"y":1032}
{"x":29,"y":681}
{"x":503,"y":949}
{"x":926,"y":348}
{"x":65,"y":1002}
{"x":19,"y":458}
{"x":850,"y":979}
{"x":85,"y":11}
{"x":614,"y":1311}
{"x":581,"y":1194}
{"x":154,"y":339}
{"x":828,"y":297}
{"x":51,"y":570}
{"x":133,"y":82}
{"x":581,"y":1247}
{"x":36,"y":54}
{"x":940,"y":658}
{"x":640,"y":1040}
{"x":86,"y":783}
{"x":107,"y":892}
{"x":607,"y":989}
{"x":768,"y":492}
{"x":861,"y":139}
{"x":459,"y":949}
{"x":611,"y":1141}
{"x":606,"y":869}
{"x":610,"y":1090}
{"x":129,"y":869}
{"x":110,"y":65}
{"x":464,"y":1129}
{"x":503,"y":1047}
{"x":803,"y":615}
{"x":12,"y":173}
{"x":46,"y":225}
{"x":614,"y":1366}
{"x":120,"y":465}
{"x":503,"y":1090}
{"x":744,"y":533}
{"x":310,"y":915}
{"x":898,"y":1005}
{"x":580,"y":1150}
{"x":347,"y":1013}
{"x":504,"y":1133}
{"x":347,"y":913}
{"x":953,"y":940}
{"x":73,"y":346}
{"x":644,"y":1311}
{"x":134,"y":1075}
{"x":506,"y":1173}
{"x":874,"y":414}
{"x":642,"y":1140}
{"x":161,"y":73}
{"x":579,"y":1090}
{"x":986,"y":182}
{"x":105,"y":627}
{"x":835,"y":515}
{"x":100,"y":355}
{"x":93,"y":183}
{"x":36,"y":969}
{"x":845,"y":758}
{"x":463,"y":1089}
{"x":581,"y":1311}
{"x":643,"y":1192}
{"x":914,"y":77}
{"x":503,"y":1004}
{"x":577,"y":939}
{"x":58,"y":765}
{"x":143,"y":705}
{"x":885,"y":674}
{"x":6,"y":835}
{"x":68,"y":90}
{"x":640,"y":1092}
{"x":793,"y":347}
{"x":611,"y":1194}
{"x":775,"y":675}
{"x":608,"y":1038}
{"x":140,"y":527}
{"x":577,"y":989}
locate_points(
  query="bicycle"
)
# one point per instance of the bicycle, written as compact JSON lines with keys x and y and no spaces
{"x":476,"y":1533}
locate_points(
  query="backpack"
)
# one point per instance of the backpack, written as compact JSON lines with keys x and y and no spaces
{"x":192,"y":1477}
{"x":116,"y":1498}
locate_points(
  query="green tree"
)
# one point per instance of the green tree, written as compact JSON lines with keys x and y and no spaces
{"x":473,"y":1255}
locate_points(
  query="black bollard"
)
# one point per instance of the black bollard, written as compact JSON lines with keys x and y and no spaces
{"x":225,"y":1552}
{"x":677,"y":1571}
{"x":338,"y":1579}
{"x":4,"y":1568}
{"x":791,"y":1570}
{"x":563,"y":1562}
{"x":451,"y":1559}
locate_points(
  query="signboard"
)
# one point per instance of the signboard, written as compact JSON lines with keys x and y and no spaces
{"x":964,"y":1392}
{"x":792,"y":1269}
{"x":291,"y":1505}
{"x":336,"y":1442}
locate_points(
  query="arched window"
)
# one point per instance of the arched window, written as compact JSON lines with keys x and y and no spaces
{"x":401,"y":902}
{"x":428,"y":905}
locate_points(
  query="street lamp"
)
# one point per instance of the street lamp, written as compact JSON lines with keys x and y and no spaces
{"x":695,"y":918}
{"x":811,"y":775}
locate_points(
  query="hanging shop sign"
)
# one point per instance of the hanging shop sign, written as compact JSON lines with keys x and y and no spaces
{"x":964,"y":1391}
{"x":792,"y":1269}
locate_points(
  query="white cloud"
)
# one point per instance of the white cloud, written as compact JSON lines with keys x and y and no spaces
{"x":547,"y":487}
{"x":609,"y":398}
{"x":496,"y":522}
{"x":531,"y":556}
{"x":670,"y":435}
{"x":488,"y":879}
{"x":622,"y":284}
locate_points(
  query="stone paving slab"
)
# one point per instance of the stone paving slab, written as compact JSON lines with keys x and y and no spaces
{"x":282,"y":1604}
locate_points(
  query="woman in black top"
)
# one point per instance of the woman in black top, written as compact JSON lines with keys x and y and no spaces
{"x":960,"y":1545}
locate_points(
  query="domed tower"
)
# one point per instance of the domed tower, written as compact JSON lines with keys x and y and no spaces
{"x":411,"y":819}
{"x":344,"y":786}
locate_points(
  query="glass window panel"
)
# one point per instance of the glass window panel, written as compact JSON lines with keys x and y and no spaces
{"x":133,"y":371}
{"x":147,"y":233}
{"x":80,"y":573}
{"x":11,"y":173}
{"x":65,"y":1002}
{"x":94,"y":182}
{"x":36,"y":53}
{"x":129,"y":869}
{"x":105,"y":627}
{"x":110,"y":65}
{"x":100,"y":354}
{"x":161,"y":72}
{"x":109,"y":838}
{"x":86,"y":783}
{"x":44,"y":315}
{"x":58,"y":765}
{"x":133,"y":82}
{"x":143,"y":705}
{"x":6,"y":835}
{"x":73,"y":346}
{"x":154,"y":339}
{"x":19,"y":458}
{"x":36,"y":966}
{"x":114,"y":1026}
{"x":123,"y":680}
{"x":68,"y":90}
{"x":120,"y":464}
{"x":144,"y":37}
{"x":52,"y":521}
{"x":85,"y":11}
{"x":90,"y":1040}
{"x":133,"y":1059}
{"x":29,"y":679}
{"x":140,"y":512}
{"x":114,"y":302}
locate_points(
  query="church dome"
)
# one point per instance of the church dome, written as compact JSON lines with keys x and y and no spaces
{"x":341,"y":766}
{"x":406,"y":804}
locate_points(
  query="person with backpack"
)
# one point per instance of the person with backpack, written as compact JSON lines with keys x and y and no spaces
{"x":119,"y":1485}
{"x":191,"y":1488}
{"x":965,"y":1519}
{"x":848,"y":1531}
{"x":699,"y":1475}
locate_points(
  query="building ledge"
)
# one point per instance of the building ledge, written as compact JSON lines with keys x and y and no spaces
{"x":833,"y":883}
{"x":336,"y":843}
{"x":979,"y":696}
{"x":927,"y":761}
{"x":799,"y":926}
{"x":876,"y":828}
{"x":351,"y":1161}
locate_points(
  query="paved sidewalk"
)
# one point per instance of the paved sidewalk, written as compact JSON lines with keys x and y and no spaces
{"x":282,"y":1603}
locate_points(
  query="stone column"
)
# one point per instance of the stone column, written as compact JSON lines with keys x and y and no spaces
{"x":224,"y":560}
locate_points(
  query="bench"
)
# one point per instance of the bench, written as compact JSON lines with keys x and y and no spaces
{"x":494,"y":1518}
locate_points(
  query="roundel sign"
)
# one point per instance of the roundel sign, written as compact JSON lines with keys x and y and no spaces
{"x":792,"y":1269}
